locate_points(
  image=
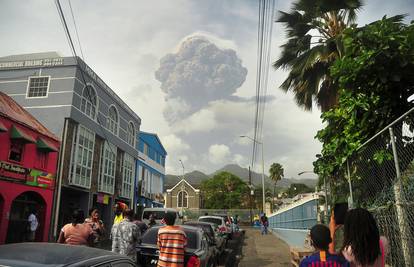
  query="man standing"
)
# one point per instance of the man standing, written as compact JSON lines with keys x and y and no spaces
{"x":265,"y":223}
{"x":32,"y":227}
{"x":171,"y":242}
{"x":125,"y":236}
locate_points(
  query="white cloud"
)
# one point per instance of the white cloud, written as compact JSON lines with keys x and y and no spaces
{"x":201,"y":121}
{"x":239,"y":159}
{"x":218,"y":153}
{"x":174,"y":144}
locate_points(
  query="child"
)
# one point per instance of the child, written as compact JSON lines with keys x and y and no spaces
{"x":320,"y":238}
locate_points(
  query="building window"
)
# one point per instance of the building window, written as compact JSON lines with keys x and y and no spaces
{"x":81,"y":163}
{"x":89,"y":102}
{"x":131,"y":134}
{"x":42,"y":157}
{"x":113,"y":120}
{"x":128,"y":176}
{"x":182,"y":199}
{"x":16,"y":150}
{"x":145,"y":149}
{"x":38,"y":86}
{"x":108,"y":163}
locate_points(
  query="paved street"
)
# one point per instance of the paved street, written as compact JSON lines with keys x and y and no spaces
{"x":264,"y":250}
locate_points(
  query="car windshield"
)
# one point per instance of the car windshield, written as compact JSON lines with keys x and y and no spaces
{"x":158,"y":214}
{"x":150,"y":237}
{"x":211,"y":220}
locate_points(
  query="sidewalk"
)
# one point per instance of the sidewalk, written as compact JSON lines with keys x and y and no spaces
{"x":264,"y":250}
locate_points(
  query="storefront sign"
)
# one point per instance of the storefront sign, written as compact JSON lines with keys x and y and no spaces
{"x":48,"y":62}
{"x":6,"y":166}
{"x":40,"y":179}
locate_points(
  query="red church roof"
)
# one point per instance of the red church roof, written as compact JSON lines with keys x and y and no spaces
{"x":10,"y":109}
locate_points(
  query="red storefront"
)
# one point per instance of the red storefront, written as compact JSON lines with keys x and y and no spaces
{"x":28,"y":160}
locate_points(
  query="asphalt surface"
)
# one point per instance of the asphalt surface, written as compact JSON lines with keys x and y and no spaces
{"x":263,"y":250}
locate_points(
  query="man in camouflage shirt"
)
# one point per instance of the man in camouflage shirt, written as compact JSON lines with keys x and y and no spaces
{"x":125,"y":236}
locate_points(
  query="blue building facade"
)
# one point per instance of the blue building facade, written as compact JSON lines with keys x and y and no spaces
{"x":150,"y":171}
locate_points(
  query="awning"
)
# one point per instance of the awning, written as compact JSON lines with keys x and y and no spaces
{"x":3,"y":127}
{"x":18,"y":133}
{"x":43,"y":144}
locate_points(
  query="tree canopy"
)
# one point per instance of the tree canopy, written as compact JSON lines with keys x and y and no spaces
{"x":225,"y":191}
{"x":314,"y":30}
{"x":375,"y":78}
{"x":276,"y":172}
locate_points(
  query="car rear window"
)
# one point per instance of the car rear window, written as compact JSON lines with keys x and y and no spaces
{"x":151,"y":235}
{"x":206,"y":228}
{"x":159,"y":214}
{"x":211,"y":220}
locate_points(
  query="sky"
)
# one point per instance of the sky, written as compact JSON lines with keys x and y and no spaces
{"x":188,"y":69}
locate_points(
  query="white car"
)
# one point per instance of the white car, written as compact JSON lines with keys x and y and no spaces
{"x":220,"y":221}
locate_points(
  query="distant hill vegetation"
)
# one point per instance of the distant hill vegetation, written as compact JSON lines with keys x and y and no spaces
{"x":195,"y":178}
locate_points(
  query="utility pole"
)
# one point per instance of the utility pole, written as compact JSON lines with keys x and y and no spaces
{"x":250,"y":197}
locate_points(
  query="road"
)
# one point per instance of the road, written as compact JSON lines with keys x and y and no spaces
{"x":263,"y":250}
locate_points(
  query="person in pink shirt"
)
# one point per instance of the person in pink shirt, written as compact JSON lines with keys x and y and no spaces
{"x":77,"y":232}
{"x":363,"y":246}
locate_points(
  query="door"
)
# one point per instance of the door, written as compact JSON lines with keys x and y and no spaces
{"x":22,"y":206}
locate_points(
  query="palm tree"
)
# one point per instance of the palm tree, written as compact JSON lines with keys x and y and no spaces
{"x":314,"y":30}
{"x":276,"y":174}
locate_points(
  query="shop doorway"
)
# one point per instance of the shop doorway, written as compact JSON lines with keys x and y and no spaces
{"x":105,"y":211}
{"x":20,"y":210}
{"x":71,"y":200}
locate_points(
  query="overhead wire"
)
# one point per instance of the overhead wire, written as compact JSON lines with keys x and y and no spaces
{"x":265,"y":29}
{"x":73,"y":50}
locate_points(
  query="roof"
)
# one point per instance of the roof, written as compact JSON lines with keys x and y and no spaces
{"x":51,"y":254}
{"x":196,"y":190}
{"x":31,"y":56}
{"x":10,"y":109}
{"x":156,"y":136}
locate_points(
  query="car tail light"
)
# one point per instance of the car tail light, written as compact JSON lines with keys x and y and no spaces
{"x":194,"y":261}
{"x":222,"y":229}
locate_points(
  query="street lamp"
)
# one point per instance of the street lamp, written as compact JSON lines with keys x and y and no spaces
{"x":263,"y":187}
{"x":326,"y":193}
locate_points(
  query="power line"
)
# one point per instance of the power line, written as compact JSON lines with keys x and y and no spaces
{"x":264,"y":38}
{"x":70,"y":41}
{"x":76,"y":30}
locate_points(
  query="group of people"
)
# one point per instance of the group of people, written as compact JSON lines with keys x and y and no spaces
{"x":126,"y":230}
{"x":353,"y":239}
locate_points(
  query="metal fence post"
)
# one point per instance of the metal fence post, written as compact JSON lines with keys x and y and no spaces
{"x":399,"y":202}
{"x":351,"y":196}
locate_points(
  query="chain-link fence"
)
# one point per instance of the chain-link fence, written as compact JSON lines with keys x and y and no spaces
{"x":382,"y":177}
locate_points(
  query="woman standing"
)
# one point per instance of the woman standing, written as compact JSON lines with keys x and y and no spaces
{"x":76,"y":232}
{"x":363,"y":246}
{"x":97,"y":226}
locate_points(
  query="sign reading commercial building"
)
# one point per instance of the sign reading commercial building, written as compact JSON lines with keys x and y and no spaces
{"x":48,"y":62}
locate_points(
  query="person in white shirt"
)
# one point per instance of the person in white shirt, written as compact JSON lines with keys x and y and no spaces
{"x":33,"y":225}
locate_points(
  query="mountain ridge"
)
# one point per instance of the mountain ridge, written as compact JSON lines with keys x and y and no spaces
{"x":195,"y":178}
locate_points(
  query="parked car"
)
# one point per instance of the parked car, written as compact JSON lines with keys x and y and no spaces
{"x":229,"y":223}
{"x":198,"y":248}
{"x":159,"y":214}
{"x":210,"y":229}
{"x":52,"y":254}
{"x":224,"y":228}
